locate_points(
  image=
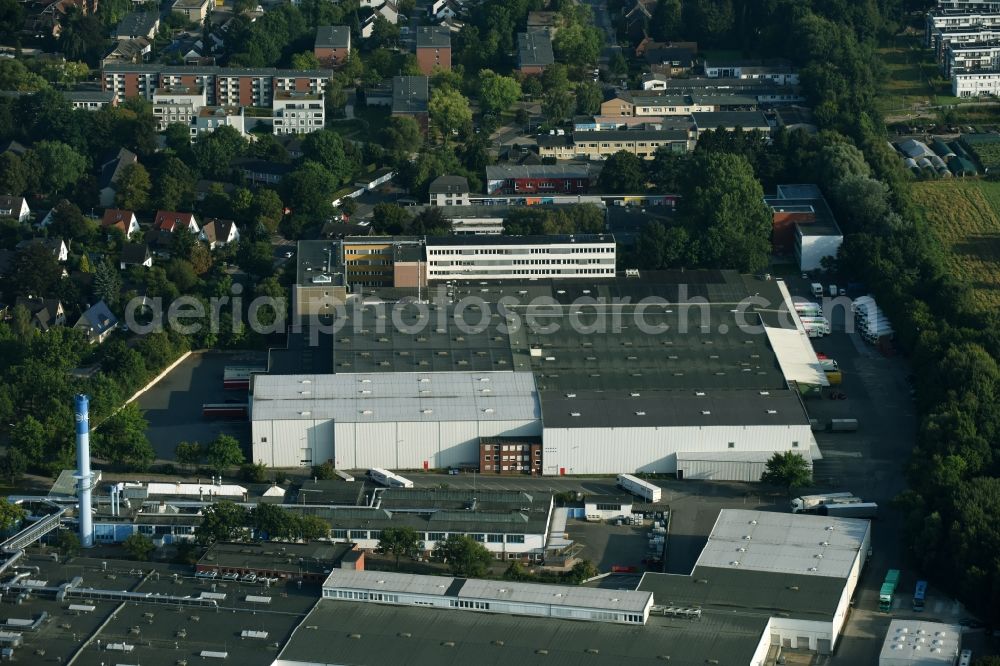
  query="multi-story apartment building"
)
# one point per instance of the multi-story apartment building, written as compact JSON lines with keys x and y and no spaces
{"x":433,"y":47}
{"x":332,"y":45}
{"x":298,"y":112}
{"x":945,"y":40}
{"x":944,"y":21}
{"x":178,"y":104}
{"x":968,"y":5}
{"x":975,"y":84}
{"x":475,"y":257}
{"x":223,"y":85}
{"x":973,"y":58}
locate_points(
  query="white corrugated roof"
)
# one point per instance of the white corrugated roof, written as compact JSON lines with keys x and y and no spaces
{"x":796,"y":356}
{"x":784,"y":542}
{"x":397,"y":396}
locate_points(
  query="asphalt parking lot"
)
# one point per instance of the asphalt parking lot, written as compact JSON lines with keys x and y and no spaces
{"x":173,"y":405}
{"x":608,"y":545}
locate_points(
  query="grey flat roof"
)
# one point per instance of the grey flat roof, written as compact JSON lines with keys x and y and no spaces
{"x":333,"y":37}
{"x":508,"y":171}
{"x":745,"y":119}
{"x":496,"y":590}
{"x":105,"y":96}
{"x":534,"y":49}
{"x":391,"y":396}
{"x":805,"y":198}
{"x":748,"y":593}
{"x":472,"y":241}
{"x":652,"y":409}
{"x":785,"y":543}
{"x":308,"y":557}
{"x":410,"y":94}
{"x":433,"y":37}
{"x":368,"y":633}
{"x":523,"y":520}
{"x":318,"y":257}
{"x":631,"y":135}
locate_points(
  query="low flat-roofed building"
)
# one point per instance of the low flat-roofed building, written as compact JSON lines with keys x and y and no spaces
{"x":320,"y":281}
{"x":91,"y":100}
{"x":919,"y":643}
{"x":730,"y":120}
{"x":804,"y":225}
{"x":642,"y":142}
{"x":775,"y":564}
{"x":570,"y":602}
{"x":379,"y":633}
{"x":304,"y":561}
{"x":537,"y":180}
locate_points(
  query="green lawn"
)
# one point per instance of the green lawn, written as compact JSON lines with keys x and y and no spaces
{"x":965,"y":218}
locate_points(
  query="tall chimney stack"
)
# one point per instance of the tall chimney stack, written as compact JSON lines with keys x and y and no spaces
{"x":83,"y":475}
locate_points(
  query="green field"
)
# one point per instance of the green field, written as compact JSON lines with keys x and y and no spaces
{"x":912,"y":79}
{"x":965,"y":218}
{"x":985,"y":148}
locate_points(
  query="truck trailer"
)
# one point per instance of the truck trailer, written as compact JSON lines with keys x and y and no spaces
{"x":888,"y":589}
{"x":848,"y":510}
{"x":806,"y":502}
{"x":640,"y":488}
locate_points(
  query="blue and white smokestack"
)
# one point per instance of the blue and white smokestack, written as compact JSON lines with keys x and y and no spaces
{"x":83,"y":475}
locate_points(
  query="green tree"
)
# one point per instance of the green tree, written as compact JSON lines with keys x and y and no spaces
{"x":310,"y":190}
{"x":390,"y":219}
{"x":723,"y":205}
{"x":222,"y":521}
{"x":305,"y":60}
{"x":312,"y":527}
{"x":36,"y":272}
{"x":582,"y":570}
{"x":325,"y":471}
{"x":665,"y":24}
{"x":557,"y":105}
{"x":588,"y":98}
{"x":15,"y":76}
{"x":11,"y":514}
{"x":188,"y":453}
{"x":13,"y":174}
{"x":497,"y":93}
{"x":623,"y":173}
{"x":787,"y":469}
{"x":449,"y":111}
{"x":133,"y":188}
{"x":223,"y":452}
{"x":256,"y":258}
{"x":122,"y":439}
{"x":399,"y":541}
{"x":577,"y":43}
{"x":464,"y":556}
{"x":61,"y":165}
{"x":13,"y":466}
{"x":29,"y":438}
{"x":272,"y":522}
{"x":138,"y":546}
{"x":67,"y":543}
{"x":107,"y":283}
{"x":402,"y":134}
{"x":253,"y":473}
{"x":327,"y":148}
{"x":267,"y":209}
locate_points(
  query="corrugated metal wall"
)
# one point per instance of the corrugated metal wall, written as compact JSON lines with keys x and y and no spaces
{"x":617,"y":450}
{"x":722,"y":470}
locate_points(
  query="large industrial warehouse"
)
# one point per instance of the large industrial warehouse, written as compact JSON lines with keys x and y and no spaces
{"x":709,"y":390}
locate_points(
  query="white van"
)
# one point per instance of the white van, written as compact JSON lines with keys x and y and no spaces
{"x":817,"y":289}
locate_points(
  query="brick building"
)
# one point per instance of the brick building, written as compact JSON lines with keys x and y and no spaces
{"x":537,"y":179}
{"x":433,"y":49}
{"x":333,"y":45}
{"x":510,"y":455}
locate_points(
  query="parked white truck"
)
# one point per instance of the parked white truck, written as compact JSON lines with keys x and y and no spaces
{"x":848,"y":510}
{"x":644,"y":489}
{"x":808,"y":502}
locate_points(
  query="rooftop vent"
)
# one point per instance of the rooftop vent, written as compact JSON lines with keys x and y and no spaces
{"x":574,"y":413}
{"x":705,"y":412}
{"x":640,"y":413}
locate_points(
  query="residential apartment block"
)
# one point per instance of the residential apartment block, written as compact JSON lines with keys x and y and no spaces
{"x":975,"y":84}
{"x":332,"y":45}
{"x":223,"y":85}
{"x":473,"y":257}
{"x":433,"y":49}
{"x":942,"y":22}
{"x":534,"y":51}
{"x":298,"y":112}
{"x":972,"y":58}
